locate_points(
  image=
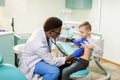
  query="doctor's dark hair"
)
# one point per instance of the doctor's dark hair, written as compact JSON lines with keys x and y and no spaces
{"x":52,"y":23}
{"x":87,"y":25}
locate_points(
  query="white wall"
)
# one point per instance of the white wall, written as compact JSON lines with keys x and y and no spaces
{"x":91,"y":15}
{"x":5,"y":15}
{"x":110,"y":28}
{"x":30,"y":14}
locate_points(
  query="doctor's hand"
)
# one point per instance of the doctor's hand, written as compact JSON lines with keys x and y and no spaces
{"x":79,"y":41}
{"x":78,"y":52}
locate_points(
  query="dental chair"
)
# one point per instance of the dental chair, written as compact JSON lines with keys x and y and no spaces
{"x":9,"y":72}
{"x":69,"y":47}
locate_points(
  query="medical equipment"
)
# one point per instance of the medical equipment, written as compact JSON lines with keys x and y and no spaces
{"x":80,"y":42}
{"x":10,"y":72}
{"x":54,"y":42}
{"x":59,"y":48}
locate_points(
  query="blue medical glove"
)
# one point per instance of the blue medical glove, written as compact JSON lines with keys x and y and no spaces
{"x":78,"y":52}
{"x":79,"y":41}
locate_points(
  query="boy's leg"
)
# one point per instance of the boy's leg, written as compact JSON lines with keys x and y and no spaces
{"x":61,"y":68}
{"x":49,"y":72}
{"x":78,"y":64}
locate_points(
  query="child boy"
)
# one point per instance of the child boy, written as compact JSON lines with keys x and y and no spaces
{"x":82,"y":62}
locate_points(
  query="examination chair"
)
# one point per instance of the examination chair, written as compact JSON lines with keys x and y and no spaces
{"x":83,"y":74}
{"x":9,"y":72}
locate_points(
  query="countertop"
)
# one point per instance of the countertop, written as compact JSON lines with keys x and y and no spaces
{"x":21,"y":36}
{"x":6,"y":33}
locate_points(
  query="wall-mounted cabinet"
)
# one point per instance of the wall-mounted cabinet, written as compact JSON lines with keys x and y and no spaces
{"x":78,"y":4}
{"x":2,"y":2}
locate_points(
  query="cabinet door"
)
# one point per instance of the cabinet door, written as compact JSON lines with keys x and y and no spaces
{"x":6,"y":48}
{"x":19,"y":40}
{"x":78,"y":4}
{"x":2,"y":2}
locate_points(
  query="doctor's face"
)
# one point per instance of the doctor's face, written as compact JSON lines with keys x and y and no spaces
{"x":55,"y":32}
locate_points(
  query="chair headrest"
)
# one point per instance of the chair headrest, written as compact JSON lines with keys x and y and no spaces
{"x":1,"y":59}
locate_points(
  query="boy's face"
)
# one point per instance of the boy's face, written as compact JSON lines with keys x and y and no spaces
{"x":84,"y":32}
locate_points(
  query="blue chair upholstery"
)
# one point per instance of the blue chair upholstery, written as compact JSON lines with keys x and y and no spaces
{"x":80,"y":73}
{"x":10,"y":72}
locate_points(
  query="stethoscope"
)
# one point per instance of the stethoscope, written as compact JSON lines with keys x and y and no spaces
{"x":54,"y":42}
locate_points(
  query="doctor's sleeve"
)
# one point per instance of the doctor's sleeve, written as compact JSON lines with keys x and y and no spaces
{"x":47,"y":57}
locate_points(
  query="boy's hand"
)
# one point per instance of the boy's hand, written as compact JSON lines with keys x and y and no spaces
{"x":79,"y":41}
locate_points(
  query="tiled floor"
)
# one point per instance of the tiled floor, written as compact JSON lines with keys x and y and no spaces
{"x":97,"y":73}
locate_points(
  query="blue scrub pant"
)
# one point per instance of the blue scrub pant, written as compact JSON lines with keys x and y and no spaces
{"x":49,"y":72}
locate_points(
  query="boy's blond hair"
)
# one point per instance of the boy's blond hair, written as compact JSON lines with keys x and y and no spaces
{"x":86,"y":24}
